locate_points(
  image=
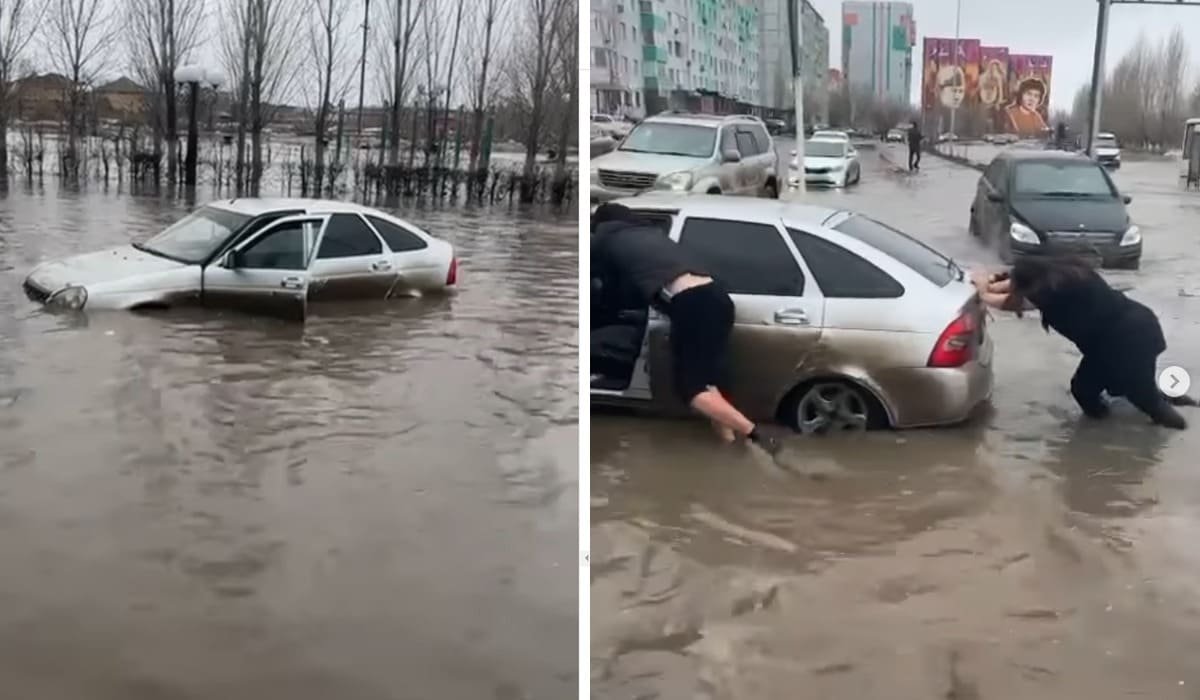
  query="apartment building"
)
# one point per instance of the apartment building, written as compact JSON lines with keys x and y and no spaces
{"x":877,"y":46}
{"x":776,"y":57}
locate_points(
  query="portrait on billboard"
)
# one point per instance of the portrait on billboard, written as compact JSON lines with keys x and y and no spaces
{"x":952,"y":86}
{"x":992,"y":83}
{"x":1025,"y":113}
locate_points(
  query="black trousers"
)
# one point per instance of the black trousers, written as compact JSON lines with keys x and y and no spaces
{"x":914,"y":158}
{"x":701,"y":322}
{"x":1123,"y":363}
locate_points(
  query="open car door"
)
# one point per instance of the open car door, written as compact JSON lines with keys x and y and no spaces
{"x":267,"y":274}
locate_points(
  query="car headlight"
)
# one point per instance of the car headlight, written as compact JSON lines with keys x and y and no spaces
{"x":72,"y":298}
{"x":837,"y":167}
{"x":678,"y":182}
{"x":1022,"y":233}
{"x":1133,"y":236}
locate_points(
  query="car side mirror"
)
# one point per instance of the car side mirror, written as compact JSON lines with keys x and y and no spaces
{"x":795,"y":152}
{"x":994,"y":196}
{"x":731,"y":156}
{"x":231,"y":260}
{"x":1126,"y":198}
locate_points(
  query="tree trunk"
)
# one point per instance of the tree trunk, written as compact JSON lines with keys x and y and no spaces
{"x":481,"y":96}
{"x":399,"y":65}
{"x":3,"y":143}
{"x":564,"y":136}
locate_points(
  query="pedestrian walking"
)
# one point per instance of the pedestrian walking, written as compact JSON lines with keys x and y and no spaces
{"x":650,"y":269}
{"x":1119,"y":338}
{"x":914,"y":146}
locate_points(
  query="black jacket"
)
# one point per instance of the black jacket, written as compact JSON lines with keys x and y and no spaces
{"x":637,"y":260}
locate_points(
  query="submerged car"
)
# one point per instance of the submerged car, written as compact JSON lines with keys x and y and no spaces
{"x":1035,"y":202}
{"x":267,"y":256}
{"x":833,"y":163}
{"x":841,"y":322}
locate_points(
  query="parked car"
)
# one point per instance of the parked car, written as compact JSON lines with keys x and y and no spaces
{"x":831,"y":134}
{"x":947,"y":137}
{"x":775,"y":126}
{"x":896,"y":136}
{"x":699,"y":153}
{"x":841,"y":321}
{"x":1108,"y":150}
{"x":267,"y":256}
{"x":1034,"y":202}
{"x":612,"y":126}
{"x":829,"y":162}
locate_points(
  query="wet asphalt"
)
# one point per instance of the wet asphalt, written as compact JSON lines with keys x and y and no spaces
{"x":380,"y":504}
{"x":1031,"y":553}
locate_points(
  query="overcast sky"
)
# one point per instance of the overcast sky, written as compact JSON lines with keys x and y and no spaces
{"x":1065,"y":29}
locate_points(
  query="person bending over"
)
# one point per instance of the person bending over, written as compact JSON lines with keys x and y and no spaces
{"x":1119,"y":338}
{"x":635,"y":255}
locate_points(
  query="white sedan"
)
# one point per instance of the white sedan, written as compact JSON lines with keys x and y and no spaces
{"x":830,"y":162}
{"x":268,"y":256}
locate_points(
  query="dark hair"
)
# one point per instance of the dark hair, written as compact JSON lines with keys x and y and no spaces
{"x":1032,"y":84}
{"x":1034,"y":276}
{"x":610,"y":211}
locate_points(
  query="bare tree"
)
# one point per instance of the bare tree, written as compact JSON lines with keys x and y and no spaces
{"x":458,"y":19}
{"x":400,"y":23}
{"x":260,"y":56}
{"x":19,"y":20}
{"x":433,"y":35}
{"x":532,"y":75}
{"x":568,"y":84}
{"x":328,"y":44}
{"x":479,"y":62}
{"x":77,"y":38}
{"x":165,"y":32}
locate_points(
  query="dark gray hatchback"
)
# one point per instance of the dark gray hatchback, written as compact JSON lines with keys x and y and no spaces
{"x":1047,"y":202}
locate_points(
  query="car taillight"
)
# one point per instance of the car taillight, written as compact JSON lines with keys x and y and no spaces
{"x":452,"y":273}
{"x":956,"y":345}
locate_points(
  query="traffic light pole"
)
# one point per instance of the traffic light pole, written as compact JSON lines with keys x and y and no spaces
{"x":796,"y":36}
{"x":1097,"y":92}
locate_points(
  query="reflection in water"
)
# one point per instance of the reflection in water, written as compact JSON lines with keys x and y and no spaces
{"x":380,"y":503}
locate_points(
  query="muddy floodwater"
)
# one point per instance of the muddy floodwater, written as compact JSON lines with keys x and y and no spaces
{"x":1030,"y":554}
{"x":379,"y":504}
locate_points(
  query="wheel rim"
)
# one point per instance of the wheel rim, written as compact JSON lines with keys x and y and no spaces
{"x":832,"y":407}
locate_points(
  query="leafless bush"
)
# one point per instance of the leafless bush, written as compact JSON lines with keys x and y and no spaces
{"x":18,"y":25}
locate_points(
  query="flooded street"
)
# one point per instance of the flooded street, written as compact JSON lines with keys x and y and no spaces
{"x":381,"y":503}
{"x":1029,"y":554}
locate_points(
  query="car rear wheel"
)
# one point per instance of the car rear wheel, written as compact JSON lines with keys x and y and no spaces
{"x":833,"y":405}
{"x":770,"y":191}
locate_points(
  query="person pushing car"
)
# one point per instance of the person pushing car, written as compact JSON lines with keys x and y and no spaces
{"x":635,"y":257}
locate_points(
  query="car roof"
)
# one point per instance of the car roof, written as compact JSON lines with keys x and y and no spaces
{"x":713,"y":120}
{"x":1034,"y":156}
{"x":749,"y":209}
{"x":254,"y":206}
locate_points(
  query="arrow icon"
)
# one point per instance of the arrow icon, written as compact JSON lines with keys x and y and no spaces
{"x":1174,"y":382}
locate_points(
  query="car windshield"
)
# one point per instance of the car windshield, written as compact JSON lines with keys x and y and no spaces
{"x":671,"y":139}
{"x":196,"y":236}
{"x":1106,"y":141}
{"x":830,"y":135}
{"x":825,"y":149}
{"x":925,"y":261}
{"x":1065,"y":179}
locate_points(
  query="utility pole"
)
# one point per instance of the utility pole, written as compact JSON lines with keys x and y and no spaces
{"x":957,"y":48}
{"x":796,"y":36}
{"x":362,"y":66}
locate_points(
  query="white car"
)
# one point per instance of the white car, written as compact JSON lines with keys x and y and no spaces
{"x":267,"y":256}
{"x":611,"y":126}
{"x":827,"y":162}
{"x":1108,"y":150}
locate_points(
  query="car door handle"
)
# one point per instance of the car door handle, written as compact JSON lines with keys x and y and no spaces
{"x":292,"y":283}
{"x":791,"y":317}
{"x":381,"y":265}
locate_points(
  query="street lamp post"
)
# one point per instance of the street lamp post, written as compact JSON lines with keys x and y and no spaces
{"x":957,"y":48}
{"x":796,"y":36}
{"x":193,"y":76}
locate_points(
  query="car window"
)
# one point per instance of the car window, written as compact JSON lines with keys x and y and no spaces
{"x":761,"y":137}
{"x":670,"y":139}
{"x":747,"y":258}
{"x":1062,"y":178}
{"x":825,"y":149}
{"x":745,"y":143}
{"x":348,"y":236}
{"x":842,"y":274}
{"x":728,"y":142}
{"x":398,"y":239}
{"x":922,"y":259}
{"x":281,"y":248}
{"x":198,"y":235}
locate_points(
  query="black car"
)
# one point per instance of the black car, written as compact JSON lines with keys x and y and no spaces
{"x":1039,"y":202}
{"x":775,"y":126}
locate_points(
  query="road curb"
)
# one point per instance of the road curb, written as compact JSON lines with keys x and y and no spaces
{"x":958,"y":160}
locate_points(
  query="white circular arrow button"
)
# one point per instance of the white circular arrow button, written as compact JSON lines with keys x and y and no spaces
{"x":1174,"y":381}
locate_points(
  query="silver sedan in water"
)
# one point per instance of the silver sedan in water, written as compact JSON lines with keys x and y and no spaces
{"x":268,"y":256}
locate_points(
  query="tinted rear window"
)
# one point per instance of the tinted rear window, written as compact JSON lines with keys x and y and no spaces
{"x":924,"y":260}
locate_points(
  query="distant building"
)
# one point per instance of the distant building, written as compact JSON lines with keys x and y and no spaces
{"x":649,"y":55}
{"x":775,"y":62}
{"x":877,"y":43}
{"x":42,"y":97}
{"x":121,"y":99}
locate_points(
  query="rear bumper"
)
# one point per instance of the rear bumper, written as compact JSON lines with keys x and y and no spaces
{"x":931,"y":396}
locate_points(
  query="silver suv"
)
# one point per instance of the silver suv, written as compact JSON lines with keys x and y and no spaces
{"x":699,"y":153}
